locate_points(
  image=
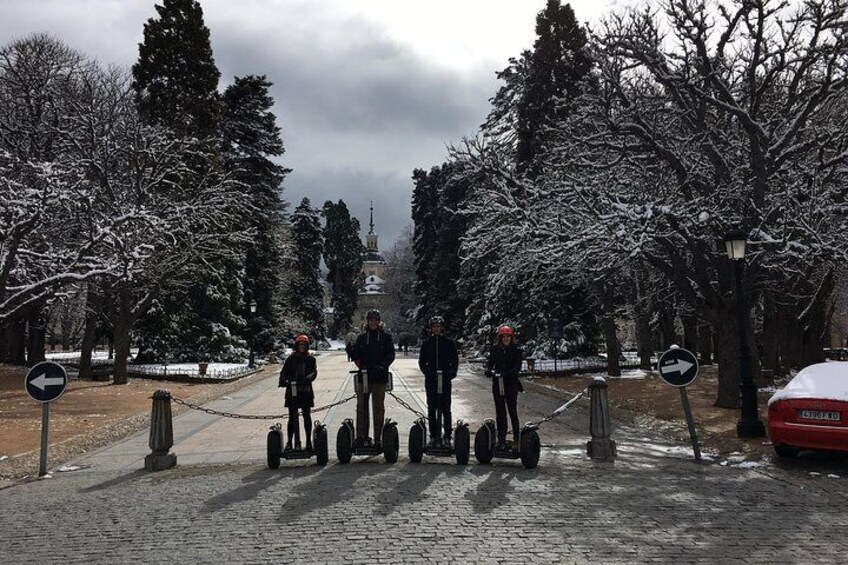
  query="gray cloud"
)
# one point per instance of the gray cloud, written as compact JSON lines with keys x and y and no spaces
{"x":358,"y":110}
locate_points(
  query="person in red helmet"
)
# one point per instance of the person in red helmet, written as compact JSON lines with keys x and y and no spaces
{"x":505,"y":360}
{"x":298,"y":372}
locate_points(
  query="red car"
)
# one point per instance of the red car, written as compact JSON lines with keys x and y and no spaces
{"x":811,"y":412}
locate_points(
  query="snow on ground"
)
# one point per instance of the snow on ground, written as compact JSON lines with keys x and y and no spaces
{"x":337,"y":344}
{"x":194,"y":366}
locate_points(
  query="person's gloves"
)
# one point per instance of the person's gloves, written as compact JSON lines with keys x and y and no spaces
{"x":490,"y":374}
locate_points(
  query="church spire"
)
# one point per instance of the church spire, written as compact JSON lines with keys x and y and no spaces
{"x":371,"y":238}
{"x":371,"y":231}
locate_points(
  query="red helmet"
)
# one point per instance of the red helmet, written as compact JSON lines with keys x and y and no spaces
{"x":301,"y":339}
{"x":505,"y":330}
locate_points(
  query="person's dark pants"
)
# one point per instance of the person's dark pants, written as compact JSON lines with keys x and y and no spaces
{"x":294,"y":425}
{"x":509,"y":401}
{"x":438,"y":406}
{"x":378,"y":396}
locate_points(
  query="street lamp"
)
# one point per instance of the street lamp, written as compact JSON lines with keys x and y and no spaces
{"x":749,"y":425}
{"x":250,"y":362}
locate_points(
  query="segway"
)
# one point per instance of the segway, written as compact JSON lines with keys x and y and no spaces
{"x":345,"y":439}
{"x":529,"y":446}
{"x":319,"y":446}
{"x":418,"y":447}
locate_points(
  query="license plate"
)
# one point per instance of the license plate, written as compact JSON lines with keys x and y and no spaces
{"x":818,"y":415}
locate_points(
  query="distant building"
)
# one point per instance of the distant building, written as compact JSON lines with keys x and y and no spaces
{"x":373,"y":289}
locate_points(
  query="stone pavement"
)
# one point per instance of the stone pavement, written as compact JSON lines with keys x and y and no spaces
{"x":646,"y":507}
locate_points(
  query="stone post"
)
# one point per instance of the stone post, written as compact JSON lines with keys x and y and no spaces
{"x":601,"y":446}
{"x":161,"y":434}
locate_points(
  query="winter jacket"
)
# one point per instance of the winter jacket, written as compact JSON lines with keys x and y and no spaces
{"x":438,"y":354}
{"x":374,"y":351}
{"x":504,"y":361}
{"x":300,"y":368}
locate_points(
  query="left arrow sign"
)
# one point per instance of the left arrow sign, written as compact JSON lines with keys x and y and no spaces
{"x":43,"y":381}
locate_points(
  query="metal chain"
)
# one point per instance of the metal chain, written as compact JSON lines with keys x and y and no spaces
{"x":406,"y":405}
{"x":252,"y":416}
{"x":562,"y":408}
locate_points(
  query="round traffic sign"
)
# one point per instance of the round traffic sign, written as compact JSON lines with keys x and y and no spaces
{"x":46,"y":381}
{"x":678,"y":366}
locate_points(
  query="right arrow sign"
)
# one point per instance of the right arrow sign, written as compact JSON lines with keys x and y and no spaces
{"x":678,"y":367}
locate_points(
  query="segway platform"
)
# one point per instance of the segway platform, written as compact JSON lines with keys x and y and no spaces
{"x":529,"y":446}
{"x":346,"y":447}
{"x":460,"y":448}
{"x":319,"y":450}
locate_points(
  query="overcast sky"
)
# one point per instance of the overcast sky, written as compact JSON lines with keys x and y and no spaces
{"x":365,"y":90}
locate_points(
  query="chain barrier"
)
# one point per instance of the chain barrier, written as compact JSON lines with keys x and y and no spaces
{"x":407,"y":406}
{"x":252,"y":416}
{"x":562,"y":408}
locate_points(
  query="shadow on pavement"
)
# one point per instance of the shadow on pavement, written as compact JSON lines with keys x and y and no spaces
{"x":417,"y":478}
{"x":137,"y":474}
{"x":335,"y":485}
{"x":495,"y":490}
{"x":255,"y":484}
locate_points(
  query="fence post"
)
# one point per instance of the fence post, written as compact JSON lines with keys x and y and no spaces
{"x":601,"y":446}
{"x":161,"y":434}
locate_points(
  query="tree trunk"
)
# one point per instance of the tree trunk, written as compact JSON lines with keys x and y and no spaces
{"x":690,"y":333}
{"x":644,"y":342}
{"x":14,"y":343}
{"x":771,"y":335}
{"x":89,"y":334}
{"x":121,"y":336}
{"x":666,"y":323}
{"x":728,"y":357}
{"x":705,"y":344}
{"x":610,"y":336}
{"x":35,"y":336}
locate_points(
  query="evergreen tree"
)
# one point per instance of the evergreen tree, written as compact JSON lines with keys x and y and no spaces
{"x":175,"y":78}
{"x":306,"y":295}
{"x":557,"y":64}
{"x":343,"y":251}
{"x":250,"y":136}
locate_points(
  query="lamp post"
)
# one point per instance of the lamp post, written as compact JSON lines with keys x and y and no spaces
{"x":749,"y":425}
{"x":250,"y":362}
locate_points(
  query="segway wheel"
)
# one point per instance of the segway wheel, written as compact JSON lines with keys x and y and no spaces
{"x":416,"y":443}
{"x":391,"y":444}
{"x":483,"y":445}
{"x":319,"y":440}
{"x":343,"y":445}
{"x":275,"y":449}
{"x":530,"y":448}
{"x":462,"y":444}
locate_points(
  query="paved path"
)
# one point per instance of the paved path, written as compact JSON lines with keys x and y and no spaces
{"x":646,"y":507}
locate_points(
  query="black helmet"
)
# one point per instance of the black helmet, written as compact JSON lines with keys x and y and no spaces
{"x":437,"y":320}
{"x":373,"y":314}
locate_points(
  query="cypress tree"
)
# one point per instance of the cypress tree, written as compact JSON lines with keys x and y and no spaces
{"x":250,"y":137}
{"x":557,"y":64}
{"x":175,"y":78}
{"x":343,"y":252}
{"x":305,"y":291}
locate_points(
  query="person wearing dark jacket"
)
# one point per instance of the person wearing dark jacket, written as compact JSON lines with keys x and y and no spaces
{"x":505,"y":360}
{"x":374,"y":352}
{"x":438,"y":353}
{"x":298,"y":372}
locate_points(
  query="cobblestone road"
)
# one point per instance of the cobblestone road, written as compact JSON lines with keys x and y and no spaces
{"x":646,"y":507}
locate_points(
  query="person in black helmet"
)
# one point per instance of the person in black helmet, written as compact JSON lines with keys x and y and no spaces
{"x":438,"y":353}
{"x":505,"y":360}
{"x":373,"y":351}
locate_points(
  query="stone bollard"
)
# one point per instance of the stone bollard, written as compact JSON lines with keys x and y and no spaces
{"x":161,"y":434}
{"x":601,"y":446}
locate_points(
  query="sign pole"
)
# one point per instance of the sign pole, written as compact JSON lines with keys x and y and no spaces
{"x":691,"y":423}
{"x":45,"y":426}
